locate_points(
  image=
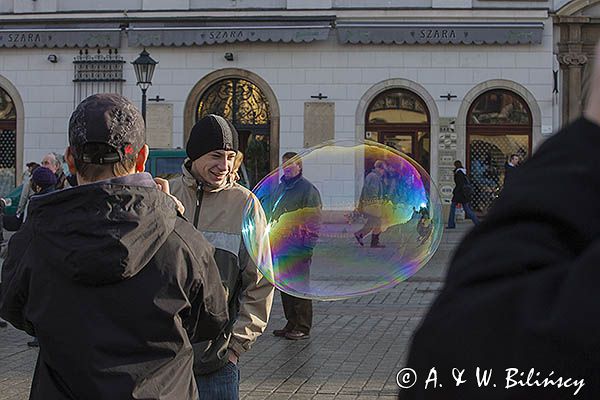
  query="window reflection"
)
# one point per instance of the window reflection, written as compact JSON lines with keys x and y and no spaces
{"x":397,"y":107}
{"x":499,"y":107}
{"x":7,"y":107}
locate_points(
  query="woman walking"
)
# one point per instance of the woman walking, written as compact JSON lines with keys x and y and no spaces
{"x":462,"y":194}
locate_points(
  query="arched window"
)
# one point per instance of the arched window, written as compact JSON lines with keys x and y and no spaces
{"x":400,"y":119}
{"x":498,"y":126}
{"x":8,"y":143}
{"x":499,"y":107}
{"x":242,"y":102}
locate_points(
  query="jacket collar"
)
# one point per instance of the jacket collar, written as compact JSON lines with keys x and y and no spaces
{"x":289,"y":183}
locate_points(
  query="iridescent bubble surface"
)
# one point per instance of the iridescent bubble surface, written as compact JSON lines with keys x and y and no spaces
{"x":356,"y":192}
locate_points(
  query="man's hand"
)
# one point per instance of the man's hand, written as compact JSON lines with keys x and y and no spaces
{"x":233,"y":358}
{"x":163,"y":186}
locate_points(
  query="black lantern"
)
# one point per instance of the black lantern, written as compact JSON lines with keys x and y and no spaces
{"x":144,"y":69}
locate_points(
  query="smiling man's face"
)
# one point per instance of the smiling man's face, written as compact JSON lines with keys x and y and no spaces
{"x":214,"y":168}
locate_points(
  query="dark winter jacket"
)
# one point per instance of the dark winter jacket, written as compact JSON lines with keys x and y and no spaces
{"x":459,"y":195}
{"x":522,"y":289}
{"x":292,"y":195}
{"x":218,"y":214}
{"x":113,"y":283}
{"x":509,"y":170}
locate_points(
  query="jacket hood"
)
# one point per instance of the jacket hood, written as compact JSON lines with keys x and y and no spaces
{"x":191,"y":181}
{"x":464,"y":171}
{"x":103,"y":232}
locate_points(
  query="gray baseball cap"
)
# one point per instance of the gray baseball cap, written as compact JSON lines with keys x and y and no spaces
{"x":106,"y":128}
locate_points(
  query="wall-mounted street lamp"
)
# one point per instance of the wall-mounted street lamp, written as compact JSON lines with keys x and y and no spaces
{"x":144,"y":69}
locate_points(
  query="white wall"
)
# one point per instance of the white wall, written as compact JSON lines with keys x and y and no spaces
{"x":294,"y":71}
{"x":29,"y":6}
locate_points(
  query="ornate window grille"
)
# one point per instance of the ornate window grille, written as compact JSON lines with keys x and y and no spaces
{"x":8,"y":143}
{"x":97,"y":73}
{"x":499,"y":124}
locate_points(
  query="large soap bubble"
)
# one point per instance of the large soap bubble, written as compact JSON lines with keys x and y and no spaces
{"x":366,"y":218}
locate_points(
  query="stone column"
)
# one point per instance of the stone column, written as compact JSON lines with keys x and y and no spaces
{"x":572,"y":59}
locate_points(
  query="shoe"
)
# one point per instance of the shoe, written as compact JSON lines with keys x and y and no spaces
{"x":375,"y":242}
{"x":33,"y":343}
{"x":359,"y":238}
{"x":450,"y":227}
{"x":296,"y":335}
{"x":3,"y":324}
{"x":280,"y":332}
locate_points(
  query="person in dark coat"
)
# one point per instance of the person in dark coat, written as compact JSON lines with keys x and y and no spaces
{"x":109,"y":276}
{"x":295,"y":193}
{"x":462,"y":194}
{"x":520,"y":297}
{"x":370,"y":204}
{"x":510,"y":167}
{"x":43,"y":181}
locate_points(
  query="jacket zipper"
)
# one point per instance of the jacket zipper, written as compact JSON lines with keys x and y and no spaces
{"x":199,"y":195}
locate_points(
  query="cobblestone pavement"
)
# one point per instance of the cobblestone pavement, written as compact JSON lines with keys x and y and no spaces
{"x":356,"y":348}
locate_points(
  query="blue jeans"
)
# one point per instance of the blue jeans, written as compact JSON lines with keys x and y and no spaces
{"x":223,"y":384}
{"x":468,"y":211}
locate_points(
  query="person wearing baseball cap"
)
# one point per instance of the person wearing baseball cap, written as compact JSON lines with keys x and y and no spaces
{"x":108,"y":275}
{"x":215,"y":204}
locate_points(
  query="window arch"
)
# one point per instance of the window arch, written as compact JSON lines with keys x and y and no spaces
{"x":399,"y":118}
{"x":499,"y":107}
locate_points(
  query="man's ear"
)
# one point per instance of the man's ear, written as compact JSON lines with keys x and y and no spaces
{"x":140,"y":161}
{"x":70,"y":161}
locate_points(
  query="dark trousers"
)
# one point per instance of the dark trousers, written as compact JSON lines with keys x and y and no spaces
{"x":297,"y":311}
{"x":468,"y":211}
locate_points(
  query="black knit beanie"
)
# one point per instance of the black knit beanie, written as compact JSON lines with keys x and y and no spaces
{"x":212,"y":132}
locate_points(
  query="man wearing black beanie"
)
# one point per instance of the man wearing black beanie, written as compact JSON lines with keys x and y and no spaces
{"x":215,"y":204}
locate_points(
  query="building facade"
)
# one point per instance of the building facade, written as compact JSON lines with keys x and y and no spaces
{"x":437,"y":79}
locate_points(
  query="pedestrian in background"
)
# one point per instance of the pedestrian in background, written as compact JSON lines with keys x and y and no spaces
{"x":52,"y":162}
{"x":295,"y":193}
{"x":370,"y":204}
{"x":26,"y":190}
{"x":510,"y":167}
{"x":461,"y":194}
{"x":43,"y":181}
